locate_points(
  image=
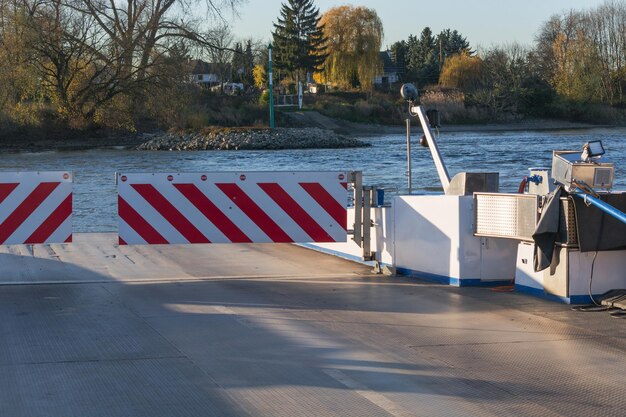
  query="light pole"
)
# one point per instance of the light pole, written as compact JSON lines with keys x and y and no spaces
{"x":271,"y":84}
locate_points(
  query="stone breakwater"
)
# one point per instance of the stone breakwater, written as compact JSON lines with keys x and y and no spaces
{"x":248,"y":139}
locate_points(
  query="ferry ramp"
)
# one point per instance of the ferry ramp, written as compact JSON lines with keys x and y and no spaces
{"x":95,"y":329}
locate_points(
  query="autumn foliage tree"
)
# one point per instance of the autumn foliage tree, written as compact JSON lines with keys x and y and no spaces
{"x":582,"y":54}
{"x":578,"y":74}
{"x":261,"y":69}
{"x":462,"y":71}
{"x":355,"y":37}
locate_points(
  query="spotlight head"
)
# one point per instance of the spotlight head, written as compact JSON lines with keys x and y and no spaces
{"x":409,"y":92}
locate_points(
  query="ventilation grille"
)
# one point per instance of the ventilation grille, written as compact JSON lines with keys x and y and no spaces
{"x":512,"y":216}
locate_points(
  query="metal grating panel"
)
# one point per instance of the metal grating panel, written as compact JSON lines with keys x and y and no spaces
{"x":527,"y":216}
{"x":511,"y":216}
{"x":602,"y":176}
{"x":567,"y":218}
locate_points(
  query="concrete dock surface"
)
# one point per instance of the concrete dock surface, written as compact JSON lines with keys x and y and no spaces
{"x":93,"y":329}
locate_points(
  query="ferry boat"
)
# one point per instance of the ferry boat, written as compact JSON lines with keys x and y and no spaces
{"x":562,"y":236}
{"x":98,"y":327}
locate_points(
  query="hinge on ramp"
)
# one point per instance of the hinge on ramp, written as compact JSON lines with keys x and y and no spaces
{"x":362,"y":215}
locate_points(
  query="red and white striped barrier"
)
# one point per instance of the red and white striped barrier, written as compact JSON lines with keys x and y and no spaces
{"x":231,"y":207}
{"x":35,"y":207}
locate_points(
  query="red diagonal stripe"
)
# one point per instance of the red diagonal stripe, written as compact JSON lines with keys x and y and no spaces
{"x":254,"y":212}
{"x":69,"y":239}
{"x":213,"y":213}
{"x":138,"y":223}
{"x":327,"y":202}
{"x":6,"y":189}
{"x":25,"y":209}
{"x":170,"y":213}
{"x":52,"y":223}
{"x":296,"y":212}
{"x":121,"y":241}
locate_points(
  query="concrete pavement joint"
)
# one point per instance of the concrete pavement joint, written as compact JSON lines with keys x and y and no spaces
{"x":504,"y":342}
{"x":111,"y":360}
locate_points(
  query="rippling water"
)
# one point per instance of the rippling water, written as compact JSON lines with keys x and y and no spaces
{"x":384,"y":164}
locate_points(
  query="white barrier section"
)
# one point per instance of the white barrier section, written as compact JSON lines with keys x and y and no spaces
{"x":232,"y":207}
{"x":35,"y":207}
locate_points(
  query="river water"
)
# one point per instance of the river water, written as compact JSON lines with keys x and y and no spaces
{"x":383,"y":164}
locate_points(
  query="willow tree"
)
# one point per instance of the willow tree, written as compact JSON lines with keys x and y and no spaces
{"x":299,"y":42}
{"x":462,"y":71}
{"x":355,"y":36}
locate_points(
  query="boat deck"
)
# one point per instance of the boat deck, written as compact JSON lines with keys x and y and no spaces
{"x":92,"y":329}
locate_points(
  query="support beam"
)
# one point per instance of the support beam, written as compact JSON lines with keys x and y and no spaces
{"x":442,"y":171}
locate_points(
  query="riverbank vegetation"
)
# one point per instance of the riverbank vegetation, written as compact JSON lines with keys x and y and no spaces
{"x":85,"y":65}
{"x":576,"y":70}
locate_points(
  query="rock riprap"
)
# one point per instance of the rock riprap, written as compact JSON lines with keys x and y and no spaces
{"x":248,"y":139}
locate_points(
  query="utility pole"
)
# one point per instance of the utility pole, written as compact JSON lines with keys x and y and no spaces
{"x":440,"y":54}
{"x":408,"y":154}
{"x":271,"y":85}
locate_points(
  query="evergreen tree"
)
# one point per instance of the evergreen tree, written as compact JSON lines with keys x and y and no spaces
{"x":428,"y":72}
{"x":248,"y":63}
{"x":238,"y":63}
{"x":412,"y":62}
{"x":299,"y":42}
{"x":422,"y":62}
{"x":398,"y":54}
{"x":451,"y":42}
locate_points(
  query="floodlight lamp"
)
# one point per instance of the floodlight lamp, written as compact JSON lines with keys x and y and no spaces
{"x":592,"y":149}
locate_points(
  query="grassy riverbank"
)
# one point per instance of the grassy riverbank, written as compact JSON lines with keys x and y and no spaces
{"x":311,"y":123}
{"x":346,"y":114}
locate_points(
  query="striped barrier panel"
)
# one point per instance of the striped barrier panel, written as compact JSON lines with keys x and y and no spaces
{"x":227,"y":207}
{"x":35,"y":207}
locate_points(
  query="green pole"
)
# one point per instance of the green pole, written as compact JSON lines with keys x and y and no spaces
{"x":271,"y":84}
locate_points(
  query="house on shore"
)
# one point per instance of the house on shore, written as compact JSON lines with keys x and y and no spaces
{"x":205,"y":73}
{"x":392,"y":71}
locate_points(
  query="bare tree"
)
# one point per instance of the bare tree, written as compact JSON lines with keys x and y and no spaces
{"x":606,"y":27}
{"x":218,"y":48}
{"x":583,"y":53}
{"x":90,"y":51}
{"x":71,"y":57}
{"x":139,"y":30}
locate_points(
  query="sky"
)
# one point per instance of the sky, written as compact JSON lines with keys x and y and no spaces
{"x":483,"y":22}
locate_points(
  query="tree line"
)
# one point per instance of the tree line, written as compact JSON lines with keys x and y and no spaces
{"x":338,"y":47}
{"x":576,"y":67}
{"x":108,"y":62}
{"x":99,"y":61}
